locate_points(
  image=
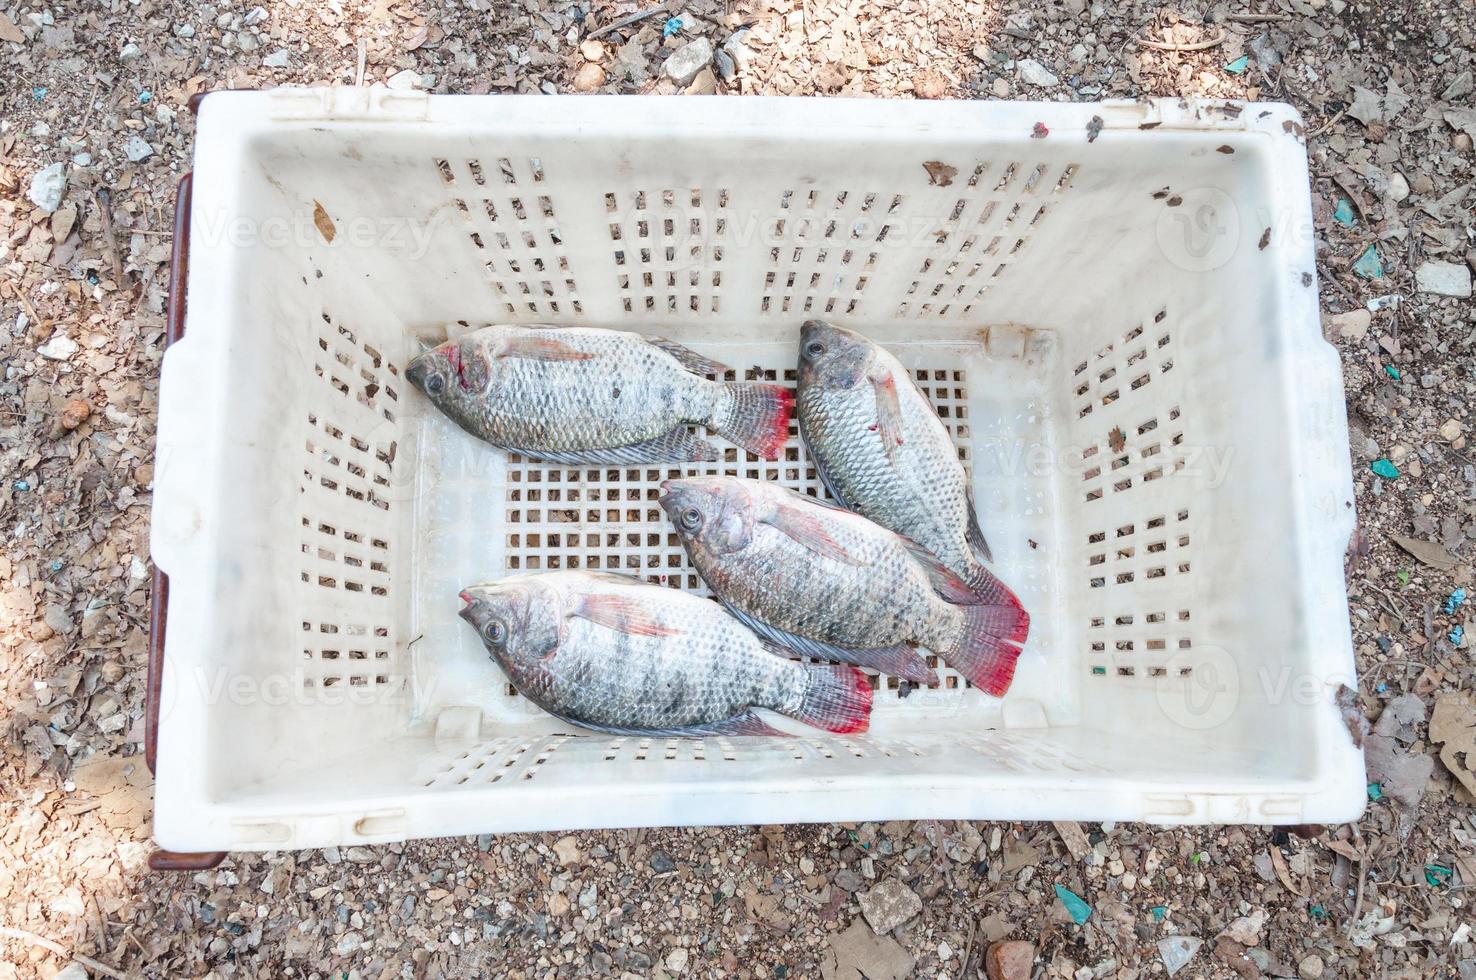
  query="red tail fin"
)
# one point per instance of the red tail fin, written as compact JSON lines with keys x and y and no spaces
{"x":838,"y":699}
{"x":757,"y":417}
{"x":989,"y":643}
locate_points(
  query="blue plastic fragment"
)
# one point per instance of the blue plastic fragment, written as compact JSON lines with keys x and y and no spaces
{"x":1375,"y":791}
{"x":1079,"y":910}
{"x":1457,"y":635}
{"x":145,"y":96}
{"x":1384,"y":468}
{"x":1238,"y":65}
{"x":1392,"y":372}
{"x":1456,"y":600}
{"x":672,"y":25}
{"x":38,"y":92}
{"x":1159,"y":912}
{"x":57,"y":566}
{"x":20,"y":486}
{"x":1369,"y":265}
{"x":1382,"y":688}
{"x":1343,"y":213}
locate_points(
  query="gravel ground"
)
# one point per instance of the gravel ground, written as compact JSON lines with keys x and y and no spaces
{"x":99,"y":89}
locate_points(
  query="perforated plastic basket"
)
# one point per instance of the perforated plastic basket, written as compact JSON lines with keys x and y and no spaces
{"x":1113,"y":307}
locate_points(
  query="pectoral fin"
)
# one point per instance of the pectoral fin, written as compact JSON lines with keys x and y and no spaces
{"x":806,"y":529}
{"x":888,"y":413}
{"x":534,"y":348}
{"x":622,"y":614}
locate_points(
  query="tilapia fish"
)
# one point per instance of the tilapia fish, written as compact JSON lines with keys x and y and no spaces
{"x":829,"y":583}
{"x":620,"y":655}
{"x":882,"y":451}
{"x":585,"y":395}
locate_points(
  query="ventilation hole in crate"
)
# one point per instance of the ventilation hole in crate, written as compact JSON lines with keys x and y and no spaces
{"x":681,"y":265}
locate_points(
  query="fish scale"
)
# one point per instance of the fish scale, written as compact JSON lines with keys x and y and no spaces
{"x":829,"y":583}
{"x":923,"y":491}
{"x":586,"y":395}
{"x":885,"y":601}
{"x":618,"y":654}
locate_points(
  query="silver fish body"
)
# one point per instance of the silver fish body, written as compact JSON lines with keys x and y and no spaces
{"x":883,"y":452}
{"x":830,"y":583}
{"x":618,"y":654}
{"x":587,"y":395}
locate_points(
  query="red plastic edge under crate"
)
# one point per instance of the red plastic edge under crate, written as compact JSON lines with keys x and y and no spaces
{"x":162,"y":860}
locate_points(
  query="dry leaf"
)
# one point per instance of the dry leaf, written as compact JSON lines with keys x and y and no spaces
{"x":325,"y":224}
{"x":1074,"y":837}
{"x":1353,"y":716}
{"x":1454,"y":723}
{"x":1283,"y":872}
{"x":940,"y":174}
{"x":1344,"y":848}
{"x":858,"y":952}
{"x":9,"y":32}
{"x":1428,"y":552}
{"x":1117,"y":439}
{"x":62,"y":221}
{"x":1466,"y":865}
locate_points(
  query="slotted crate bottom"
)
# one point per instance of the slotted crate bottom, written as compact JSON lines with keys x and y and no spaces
{"x":479,"y":515}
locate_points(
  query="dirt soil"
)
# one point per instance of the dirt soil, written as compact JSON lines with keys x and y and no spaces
{"x":100,"y":89}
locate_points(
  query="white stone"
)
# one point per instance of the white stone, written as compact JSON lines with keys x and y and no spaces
{"x":404,"y":81}
{"x":137,"y":149}
{"x":1444,"y":279}
{"x":277,"y":59}
{"x":130,"y":52}
{"x":83,"y":159}
{"x":47,"y":186}
{"x":255,"y":16}
{"x":58,"y":348}
{"x":1035,"y":73}
{"x":1398,"y":188}
{"x":73,"y":971}
{"x":1177,"y":951}
{"x":676,"y":960}
{"x":686,"y":61}
{"x":247,"y":42}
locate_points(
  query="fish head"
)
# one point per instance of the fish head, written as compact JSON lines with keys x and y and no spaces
{"x":517,"y":621}
{"x":831,"y":356}
{"x":451,"y":373}
{"x":714,"y":514}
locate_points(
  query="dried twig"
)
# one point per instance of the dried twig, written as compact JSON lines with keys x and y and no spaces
{"x":1213,"y":42}
{"x":634,"y":18}
{"x":105,"y":215}
{"x":96,"y":966}
{"x":1256,"y":18}
{"x":1342,"y":290}
{"x":1327,"y":125}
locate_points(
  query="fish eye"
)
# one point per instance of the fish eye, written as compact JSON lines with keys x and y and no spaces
{"x":435,"y":384}
{"x":494,"y":631}
{"x":691,"y":518}
{"x":815,"y":348}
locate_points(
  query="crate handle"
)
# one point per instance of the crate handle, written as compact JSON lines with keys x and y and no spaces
{"x":179,"y":259}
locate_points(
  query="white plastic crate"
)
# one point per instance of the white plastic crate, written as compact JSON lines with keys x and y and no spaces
{"x":1121,"y":333}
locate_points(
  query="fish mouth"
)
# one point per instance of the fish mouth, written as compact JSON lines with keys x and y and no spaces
{"x":416,"y":371}
{"x":471,"y":602}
